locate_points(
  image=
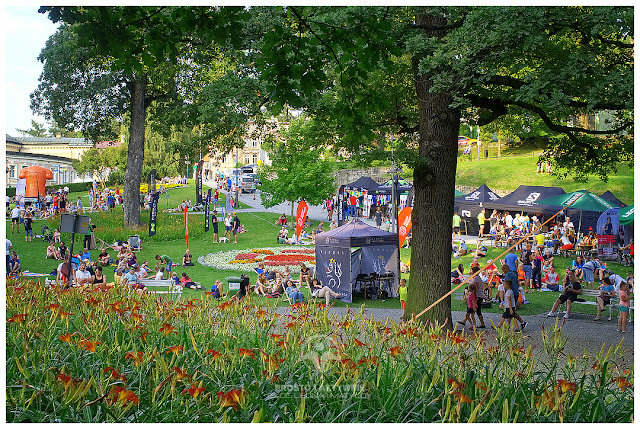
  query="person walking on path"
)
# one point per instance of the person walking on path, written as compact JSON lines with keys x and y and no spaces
{"x":456,"y":225}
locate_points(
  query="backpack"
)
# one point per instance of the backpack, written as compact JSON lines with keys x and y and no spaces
{"x":525,"y":257}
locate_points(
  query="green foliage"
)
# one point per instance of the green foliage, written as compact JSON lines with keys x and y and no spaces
{"x":297,"y":172}
{"x":100,"y":162}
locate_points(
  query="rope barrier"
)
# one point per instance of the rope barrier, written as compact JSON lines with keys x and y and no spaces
{"x":466,"y":281}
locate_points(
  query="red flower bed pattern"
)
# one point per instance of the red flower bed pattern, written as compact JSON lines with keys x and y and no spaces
{"x":291,"y":259}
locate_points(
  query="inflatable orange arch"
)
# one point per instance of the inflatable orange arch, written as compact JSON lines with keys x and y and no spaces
{"x":36,"y":177}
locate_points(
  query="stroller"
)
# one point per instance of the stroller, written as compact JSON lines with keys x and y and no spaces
{"x":46,"y":233}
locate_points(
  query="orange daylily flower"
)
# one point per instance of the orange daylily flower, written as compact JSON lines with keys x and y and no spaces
{"x":88,"y":345}
{"x":175,"y":349}
{"x":277,"y":337}
{"x":565,"y":386}
{"x":64,"y":314}
{"x":271,"y":379}
{"x":67,"y":380}
{"x":136,"y":356}
{"x":548,"y":399}
{"x":481,"y":386}
{"x":457,"y":339}
{"x":167,"y":329}
{"x":462,"y":398}
{"x":455,"y":384}
{"x":395,"y":351}
{"x":91,"y":301}
{"x":290,"y":325}
{"x":622,"y":383}
{"x":261,"y":313}
{"x":214,"y":354}
{"x":53,"y":307}
{"x":232,"y":398}
{"x":137,"y":318}
{"x":143,"y":335}
{"x":17,"y":318}
{"x":193,"y":391}
{"x":189,"y":305}
{"x":66,"y":337}
{"x":181,"y":373}
{"x":358,"y":342}
{"x":272,"y":361}
{"x":348,"y":363}
{"x":246,"y":353}
{"x":116,"y":306}
{"x":115,"y":374}
{"x":121,"y":396}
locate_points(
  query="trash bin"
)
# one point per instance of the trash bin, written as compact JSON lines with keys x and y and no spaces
{"x":233,"y":283}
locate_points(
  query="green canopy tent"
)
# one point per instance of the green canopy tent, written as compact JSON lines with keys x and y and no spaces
{"x":586,"y":205}
{"x":626,"y":215}
{"x":458,"y":194}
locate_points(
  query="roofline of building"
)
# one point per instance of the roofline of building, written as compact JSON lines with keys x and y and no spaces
{"x":51,"y":158}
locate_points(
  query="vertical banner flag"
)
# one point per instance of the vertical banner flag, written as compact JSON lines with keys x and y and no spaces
{"x":186,"y":225}
{"x":207,"y":203}
{"x":153,"y":213}
{"x":152,"y":182}
{"x":301,"y":215}
{"x":339,"y":206}
{"x":404,"y":221}
{"x":199,"y":182}
{"x":607,"y":226}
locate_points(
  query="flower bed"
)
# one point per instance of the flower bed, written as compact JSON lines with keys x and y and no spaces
{"x":107,"y":355}
{"x":298,"y":251}
{"x":247,"y":256}
{"x":276,"y":257}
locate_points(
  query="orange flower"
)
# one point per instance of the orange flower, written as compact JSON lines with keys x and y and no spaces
{"x":622,"y":383}
{"x":115,"y":375}
{"x":167,"y":329}
{"x":116,"y":307}
{"x":136,"y":356}
{"x":137,"y":318}
{"x":214,"y":354}
{"x":121,"y":396}
{"x":246,"y":353}
{"x":232,"y":398}
{"x":455,"y":384}
{"x":548,"y":399}
{"x":91,"y":301}
{"x":358,"y":342}
{"x":64,"y":378}
{"x":66,"y":337}
{"x":143,"y":335}
{"x":271,"y":379}
{"x":189,"y":305}
{"x":261,"y":313}
{"x":481,"y":386}
{"x":53,"y":307}
{"x":193,"y":391}
{"x":277,"y":337}
{"x":17,"y":318}
{"x":290,"y":325}
{"x":395,"y":351}
{"x":65,"y":314}
{"x":175,"y":349}
{"x":88,"y":345}
{"x":565,"y":386}
{"x":462,"y":398}
{"x":181,"y":373}
{"x":457,"y":339}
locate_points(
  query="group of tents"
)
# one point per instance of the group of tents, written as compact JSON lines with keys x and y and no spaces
{"x":584,"y":208}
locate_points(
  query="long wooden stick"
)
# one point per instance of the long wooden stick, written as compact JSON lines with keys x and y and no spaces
{"x":500,"y":256}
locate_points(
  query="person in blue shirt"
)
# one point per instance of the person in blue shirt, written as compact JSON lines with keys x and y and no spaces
{"x":111,"y":201}
{"x":512,"y":261}
{"x":607,"y":291}
{"x":85,"y":254}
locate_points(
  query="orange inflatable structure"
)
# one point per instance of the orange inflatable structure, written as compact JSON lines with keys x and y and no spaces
{"x":36,"y":177}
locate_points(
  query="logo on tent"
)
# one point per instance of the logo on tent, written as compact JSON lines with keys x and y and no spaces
{"x":465,"y":213}
{"x":474,"y":196}
{"x":531,"y":199}
{"x":492,"y":196}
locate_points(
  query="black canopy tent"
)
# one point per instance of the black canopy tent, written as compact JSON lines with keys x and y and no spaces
{"x":470,"y":205}
{"x":612,"y":199}
{"x":334,"y":262}
{"x":362,"y":184}
{"x":524,"y":199}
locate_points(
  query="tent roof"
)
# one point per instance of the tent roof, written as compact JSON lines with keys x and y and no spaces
{"x":579,"y":200}
{"x":356,"y":234}
{"x":481,"y":195}
{"x":626,"y":215}
{"x":527,"y":199}
{"x":612,"y":199}
{"x":403,"y":186}
{"x":364,"y":182}
{"x":457,"y":193}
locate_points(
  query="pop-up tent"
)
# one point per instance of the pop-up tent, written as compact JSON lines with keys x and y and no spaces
{"x":612,"y":199}
{"x":361,"y":189}
{"x":362,"y":184}
{"x":585,"y":208}
{"x":379,"y":254}
{"x":403,"y":187}
{"x":526,"y":199}
{"x":470,"y":205}
{"x":626,"y":215}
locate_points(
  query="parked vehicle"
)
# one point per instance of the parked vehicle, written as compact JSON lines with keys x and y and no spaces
{"x":248,"y":184}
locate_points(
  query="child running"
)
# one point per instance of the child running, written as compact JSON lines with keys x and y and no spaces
{"x":472,"y":306}
{"x":509,"y":306}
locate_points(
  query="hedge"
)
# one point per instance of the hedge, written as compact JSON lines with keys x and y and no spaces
{"x":73,"y":187}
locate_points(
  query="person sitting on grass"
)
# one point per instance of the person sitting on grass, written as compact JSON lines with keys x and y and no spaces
{"x":117,"y":278}
{"x":318,"y":291}
{"x":294,"y":293}
{"x":14,"y":265}
{"x":216,"y":289}
{"x":262,"y":287}
{"x":104,"y":258}
{"x":186,"y":259}
{"x":472,"y":306}
{"x":98,"y":279}
{"x":52,"y":252}
{"x":277,"y":289}
{"x":457,"y":275}
{"x":305,"y":275}
{"x":131,"y":280}
{"x":85,"y":254}
{"x":83,"y":276}
{"x":461,"y":250}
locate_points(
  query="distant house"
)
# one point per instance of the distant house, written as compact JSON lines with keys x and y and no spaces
{"x":54,"y":153}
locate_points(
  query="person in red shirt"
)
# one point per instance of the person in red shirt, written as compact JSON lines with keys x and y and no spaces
{"x":353,"y":204}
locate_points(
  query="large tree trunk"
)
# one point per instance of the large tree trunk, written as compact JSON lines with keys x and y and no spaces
{"x":434,"y":180}
{"x":135,"y":154}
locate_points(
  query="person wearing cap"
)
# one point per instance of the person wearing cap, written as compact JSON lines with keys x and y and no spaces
{"x":235,"y":227}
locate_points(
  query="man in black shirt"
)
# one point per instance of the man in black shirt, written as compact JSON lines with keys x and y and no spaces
{"x":235,"y":227}
{"x":525,"y":258}
{"x":28,"y":227}
{"x":571,"y":289}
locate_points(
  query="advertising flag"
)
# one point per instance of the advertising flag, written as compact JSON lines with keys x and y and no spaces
{"x":404,"y":222}
{"x":607,"y":226}
{"x":207,"y":204}
{"x":301,"y":215}
{"x":199,"y":182}
{"x":151,"y":188}
{"x":186,"y":226}
{"x":153,"y":213}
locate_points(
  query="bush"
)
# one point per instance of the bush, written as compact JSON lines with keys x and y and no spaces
{"x":73,"y":187}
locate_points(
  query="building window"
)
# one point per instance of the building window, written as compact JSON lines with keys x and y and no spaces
{"x":246,"y":159}
{"x":255,"y":158}
{"x":12,"y":171}
{"x":255,"y":143}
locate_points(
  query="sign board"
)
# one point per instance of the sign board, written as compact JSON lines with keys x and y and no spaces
{"x":74,"y":223}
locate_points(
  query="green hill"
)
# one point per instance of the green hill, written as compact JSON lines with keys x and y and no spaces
{"x":515,"y":168}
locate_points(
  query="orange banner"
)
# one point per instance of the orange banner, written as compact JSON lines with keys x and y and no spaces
{"x":404,"y":224}
{"x":301,"y":215}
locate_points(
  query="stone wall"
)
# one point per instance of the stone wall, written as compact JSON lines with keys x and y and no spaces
{"x":469,"y":189}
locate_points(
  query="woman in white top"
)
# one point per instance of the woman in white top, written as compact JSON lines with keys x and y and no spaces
{"x":319,"y":291}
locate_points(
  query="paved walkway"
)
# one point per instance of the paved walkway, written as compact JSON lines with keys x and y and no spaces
{"x":581,"y":331}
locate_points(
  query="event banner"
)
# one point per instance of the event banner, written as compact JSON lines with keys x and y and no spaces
{"x":338,"y":206}
{"x":152,"y":182}
{"x":333,"y":270}
{"x":607,"y":226}
{"x":186,"y":225}
{"x":404,"y":221}
{"x":207,"y":204}
{"x":153,"y":215}
{"x":301,"y":215}
{"x":199,"y":182}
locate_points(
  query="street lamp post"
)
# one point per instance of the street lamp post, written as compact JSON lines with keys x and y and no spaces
{"x":395,"y":172}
